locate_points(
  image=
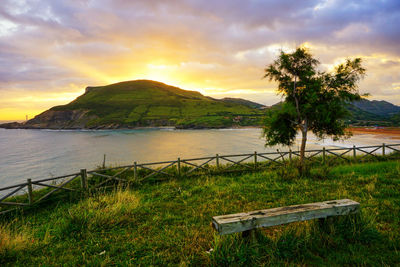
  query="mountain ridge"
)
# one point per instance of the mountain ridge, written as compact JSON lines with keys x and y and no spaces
{"x":146,"y":103}
{"x":378,"y":107}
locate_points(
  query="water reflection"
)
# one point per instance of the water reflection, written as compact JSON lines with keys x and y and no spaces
{"x":41,"y":153}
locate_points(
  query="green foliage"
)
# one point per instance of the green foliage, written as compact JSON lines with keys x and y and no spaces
{"x":313,"y":101}
{"x":279,"y":126}
{"x":395,"y":119}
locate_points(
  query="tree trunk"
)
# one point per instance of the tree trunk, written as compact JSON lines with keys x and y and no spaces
{"x":303,"y":147}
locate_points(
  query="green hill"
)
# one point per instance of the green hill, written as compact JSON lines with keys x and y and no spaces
{"x":381,"y":108}
{"x":243,"y":102}
{"x":367,"y":112}
{"x":360,"y":117}
{"x":145,"y":103}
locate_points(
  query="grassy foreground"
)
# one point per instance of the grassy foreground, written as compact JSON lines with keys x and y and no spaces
{"x":169,"y":223}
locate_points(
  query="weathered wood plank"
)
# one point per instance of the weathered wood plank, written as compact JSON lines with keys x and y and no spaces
{"x":313,"y":155}
{"x":197,"y":166}
{"x":13,"y":186}
{"x":369,"y":153}
{"x":391,"y":147}
{"x":53,"y":186}
{"x":114,"y":177}
{"x":234,"y":223}
{"x":14,"y":204}
{"x":270,"y":159}
{"x":237,"y":162}
{"x":56,"y":178}
{"x":12,"y":192}
{"x":159,"y":171}
{"x":56,"y":189}
{"x":30,"y":192}
{"x":339,"y":155}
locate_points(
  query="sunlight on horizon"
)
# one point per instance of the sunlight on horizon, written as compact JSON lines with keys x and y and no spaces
{"x":218,"y":50}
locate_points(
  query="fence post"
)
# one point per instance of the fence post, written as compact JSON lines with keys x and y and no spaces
{"x":179,"y":167}
{"x":354,"y":151}
{"x":217,"y":160}
{"x":255,"y":160}
{"x":290,"y":155}
{"x":383,"y":149}
{"x":30,"y":192}
{"x":84,"y":183}
{"x":323,"y":155}
{"x":135,"y":171}
{"x":104,"y":161}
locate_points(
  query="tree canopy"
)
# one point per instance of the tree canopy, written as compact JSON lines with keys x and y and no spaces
{"x":313,"y":100}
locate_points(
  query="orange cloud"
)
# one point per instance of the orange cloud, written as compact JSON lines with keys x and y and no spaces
{"x":218,"y":48}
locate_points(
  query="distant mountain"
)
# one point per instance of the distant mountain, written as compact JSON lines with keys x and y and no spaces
{"x":361,"y":117}
{"x":144,"y":103}
{"x":381,"y":108}
{"x":374,"y":112}
{"x":242,"y":101}
{"x":358,"y":116}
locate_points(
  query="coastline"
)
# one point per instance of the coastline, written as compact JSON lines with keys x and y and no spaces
{"x":21,"y":125}
{"x":386,"y":131}
{"x":132,"y":128}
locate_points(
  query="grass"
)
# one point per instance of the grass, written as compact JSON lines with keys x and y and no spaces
{"x":168,"y":223}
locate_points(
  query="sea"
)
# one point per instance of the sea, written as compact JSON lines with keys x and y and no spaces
{"x":37,"y":154}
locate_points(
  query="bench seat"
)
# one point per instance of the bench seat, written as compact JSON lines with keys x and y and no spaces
{"x":240,"y":222}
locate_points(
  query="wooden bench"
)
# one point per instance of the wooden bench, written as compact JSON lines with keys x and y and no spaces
{"x":248,"y":221}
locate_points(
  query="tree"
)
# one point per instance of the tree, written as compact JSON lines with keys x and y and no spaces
{"x":313,"y":100}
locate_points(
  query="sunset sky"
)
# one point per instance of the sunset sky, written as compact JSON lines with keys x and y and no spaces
{"x":50,"y":50}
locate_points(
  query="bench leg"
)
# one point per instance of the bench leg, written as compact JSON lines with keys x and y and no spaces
{"x":250,"y":235}
{"x":323,"y":223}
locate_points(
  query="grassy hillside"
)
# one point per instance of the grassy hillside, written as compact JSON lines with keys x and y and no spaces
{"x":168,"y":223}
{"x":380,"y":108}
{"x":144,"y":103}
{"x":366,"y":112}
{"x":361,"y":117}
{"x":149,"y":103}
{"x":243,"y":102}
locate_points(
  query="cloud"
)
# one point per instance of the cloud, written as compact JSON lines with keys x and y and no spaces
{"x":217,"y":47}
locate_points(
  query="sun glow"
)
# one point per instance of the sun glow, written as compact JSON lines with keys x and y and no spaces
{"x":20,"y":103}
{"x":239,"y":76}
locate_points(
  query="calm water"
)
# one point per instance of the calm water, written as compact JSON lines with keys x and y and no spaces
{"x":46,"y":153}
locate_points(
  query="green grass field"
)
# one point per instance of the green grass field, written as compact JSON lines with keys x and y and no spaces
{"x":168,"y":223}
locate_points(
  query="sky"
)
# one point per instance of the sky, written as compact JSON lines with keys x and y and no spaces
{"x":51,"y":50}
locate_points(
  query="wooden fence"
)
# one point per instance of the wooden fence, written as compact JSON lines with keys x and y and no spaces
{"x":180,"y":167}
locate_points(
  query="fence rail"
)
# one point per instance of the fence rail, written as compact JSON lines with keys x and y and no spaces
{"x":219,"y":163}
